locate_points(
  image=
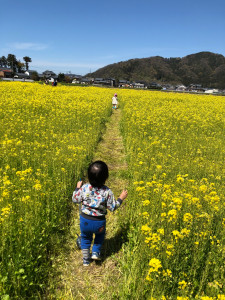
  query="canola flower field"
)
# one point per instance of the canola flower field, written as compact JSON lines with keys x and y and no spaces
{"x":47,"y":138}
{"x":176,"y":149}
{"x":175,"y":212}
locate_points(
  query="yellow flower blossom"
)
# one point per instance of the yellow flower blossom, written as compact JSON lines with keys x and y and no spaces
{"x":145,"y":228}
{"x":37,"y":186}
{"x":180,"y":179}
{"x":188,"y":218}
{"x":145,"y":202}
{"x":182,"y":284}
{"x":172,"y":214}
{"x":167,"y":273}
{"x":155,"y":265}
{"x":203,"y":188}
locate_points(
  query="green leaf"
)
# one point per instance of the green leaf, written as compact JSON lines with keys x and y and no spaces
{"x":4,"y":279}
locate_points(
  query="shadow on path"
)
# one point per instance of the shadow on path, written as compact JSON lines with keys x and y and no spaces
{"x":113,"y":245}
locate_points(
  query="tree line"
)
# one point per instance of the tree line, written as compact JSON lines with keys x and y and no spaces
{"x":13,"y":63}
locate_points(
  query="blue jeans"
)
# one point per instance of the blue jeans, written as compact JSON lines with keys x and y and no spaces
{"x":87,"y":228}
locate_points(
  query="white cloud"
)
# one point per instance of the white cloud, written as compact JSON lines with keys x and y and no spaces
{"x":66,"y":64}
{"x":29,"y":46}
{"x":63,"y":67}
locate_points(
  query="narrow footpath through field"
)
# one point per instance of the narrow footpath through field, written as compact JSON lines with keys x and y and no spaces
{"x":98,"y":280}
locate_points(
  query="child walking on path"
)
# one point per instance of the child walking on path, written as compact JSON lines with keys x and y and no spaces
{"x":96,"y":198}
{"x":114,"y":101}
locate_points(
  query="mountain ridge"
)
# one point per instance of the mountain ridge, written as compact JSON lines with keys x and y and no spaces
{"x":205,"y":68}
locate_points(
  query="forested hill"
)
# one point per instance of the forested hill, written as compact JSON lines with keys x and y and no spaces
{"x":204,"y":68}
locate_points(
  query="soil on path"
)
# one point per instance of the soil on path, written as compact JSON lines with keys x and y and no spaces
{"x":99,"y":280}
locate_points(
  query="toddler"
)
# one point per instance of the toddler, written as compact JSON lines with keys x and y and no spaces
{"x":95,"y":198}
{"x":114,"y":101}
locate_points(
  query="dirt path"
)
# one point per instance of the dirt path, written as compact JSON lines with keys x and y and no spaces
{"x":98,"y":281}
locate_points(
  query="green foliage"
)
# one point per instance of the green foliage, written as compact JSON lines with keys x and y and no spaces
{"x":61,"y":77}
{"x":12,"y":62}
{"x":35,"y":76}
{"x":27,"y":60}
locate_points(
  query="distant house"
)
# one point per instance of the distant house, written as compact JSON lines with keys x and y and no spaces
{"x":82,"y":80}
{"x":154,"y":86}
{"x":195,"y":88}
{"x":98,"y":80}
{"x":30,"y":72}
{"x":181,"y":88}
{"x":22,"y":75}
{"x":111,"y":81}
{"x":41,"y":76}
{"x":168,"y":87}
{"x":85,"y":80}
{"x":6,"y":72}
{"x":49,"y":75}
{"x":102,"y":81}
{"x":124,"y":83}
{"x":212,"y":91}
{"x":76,"y":78}
{"x":138,"y":85}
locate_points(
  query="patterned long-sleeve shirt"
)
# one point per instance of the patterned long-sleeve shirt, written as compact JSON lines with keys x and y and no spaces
{"x":95,"y":201}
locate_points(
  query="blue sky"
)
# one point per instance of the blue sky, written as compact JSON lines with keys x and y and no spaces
{"x":79,"y":36}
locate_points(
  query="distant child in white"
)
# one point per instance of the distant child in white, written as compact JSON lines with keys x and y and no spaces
{"x":114,"y":101}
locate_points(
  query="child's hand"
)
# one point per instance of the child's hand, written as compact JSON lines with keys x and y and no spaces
{"x":123,"y":195}
{"x":79,"y":184}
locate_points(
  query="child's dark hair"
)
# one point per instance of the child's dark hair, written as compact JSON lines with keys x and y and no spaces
{"x":98,"y":173}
